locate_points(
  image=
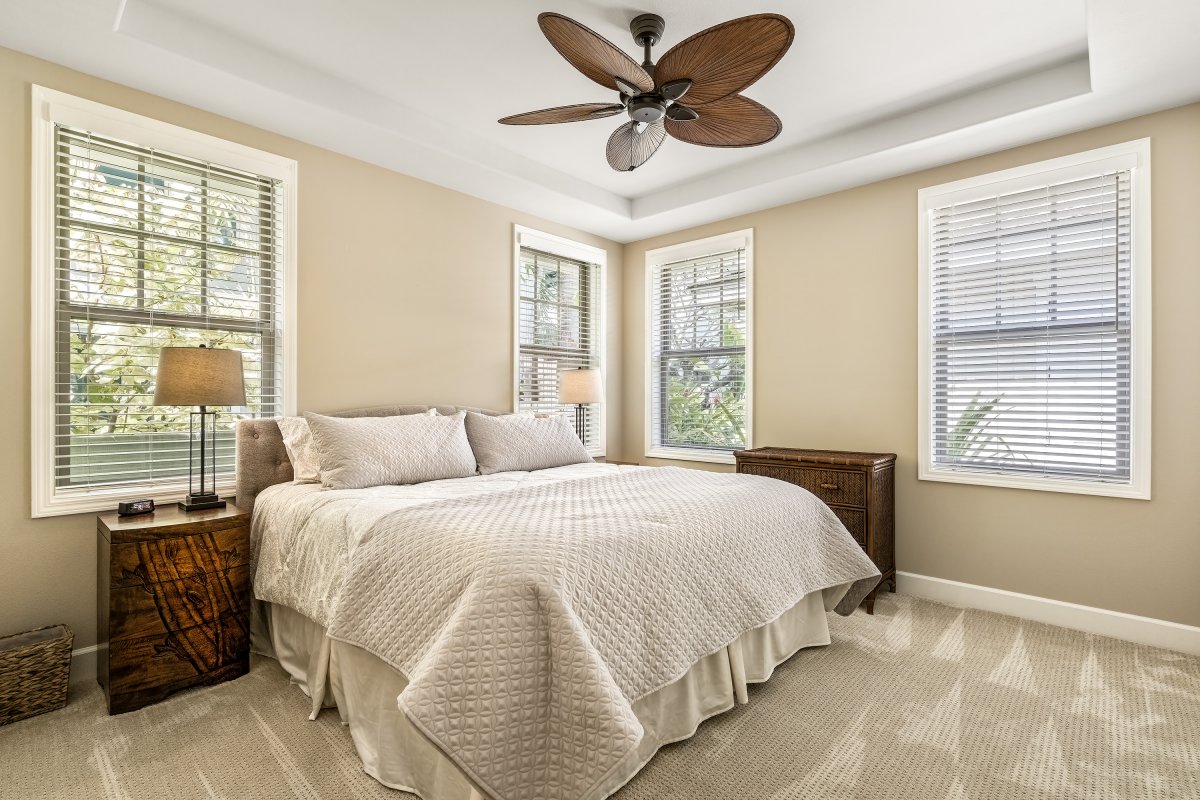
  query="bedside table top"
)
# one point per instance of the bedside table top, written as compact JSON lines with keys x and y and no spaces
{"x":172,"y":516}
{"x":834,"y":457}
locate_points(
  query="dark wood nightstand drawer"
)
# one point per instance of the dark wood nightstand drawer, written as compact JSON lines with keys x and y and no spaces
{"x":177,"y":557}
{"x":158,"y":608}
{"x":831,"y":485}
{"x":148,"y":668}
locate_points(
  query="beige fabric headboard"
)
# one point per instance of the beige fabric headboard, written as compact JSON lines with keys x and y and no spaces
{"x":262,"y":460}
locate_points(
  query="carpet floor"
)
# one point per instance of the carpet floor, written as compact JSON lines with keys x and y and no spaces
{"x":920,"y":701}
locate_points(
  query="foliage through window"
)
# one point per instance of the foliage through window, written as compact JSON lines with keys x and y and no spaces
{"x":698,"y":333}
{"x":558,"y":301}
{"x":154,"y":250}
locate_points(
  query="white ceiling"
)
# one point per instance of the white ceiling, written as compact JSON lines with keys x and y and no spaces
{"x":869,"y":89}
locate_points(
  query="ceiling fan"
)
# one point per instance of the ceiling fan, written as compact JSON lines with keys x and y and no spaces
{"x":691,"y":94}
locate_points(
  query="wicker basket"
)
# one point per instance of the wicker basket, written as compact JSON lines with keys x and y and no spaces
{"x":35,"y":668}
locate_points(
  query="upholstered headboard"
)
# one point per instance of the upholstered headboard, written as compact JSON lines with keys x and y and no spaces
{"x":262,"y":460}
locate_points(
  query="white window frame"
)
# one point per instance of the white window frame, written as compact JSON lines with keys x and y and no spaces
{"x":1134,"y":156}
{"x":577,"y":251}
{"x":655,"y":259}
{"x":52,"y":107}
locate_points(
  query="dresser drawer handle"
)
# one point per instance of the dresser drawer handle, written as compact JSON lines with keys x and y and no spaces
{"x":829,"y":486}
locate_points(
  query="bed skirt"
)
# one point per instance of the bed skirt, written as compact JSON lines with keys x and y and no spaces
{"x":364,"y":689}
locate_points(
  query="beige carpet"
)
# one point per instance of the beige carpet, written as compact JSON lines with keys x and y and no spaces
{"x":920,"y":701}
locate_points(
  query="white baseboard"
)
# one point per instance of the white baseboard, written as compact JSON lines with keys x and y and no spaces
{"x":83,"y":664}
{"x":1130,"y":627}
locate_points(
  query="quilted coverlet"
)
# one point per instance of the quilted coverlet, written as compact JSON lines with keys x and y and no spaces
{"x":527,"y":622}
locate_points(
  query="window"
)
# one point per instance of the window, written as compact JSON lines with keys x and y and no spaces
{"x":559,"y":313}
{"x":144,"y":246}
{"x":1035,"y":324}
{"x":698,"y":349}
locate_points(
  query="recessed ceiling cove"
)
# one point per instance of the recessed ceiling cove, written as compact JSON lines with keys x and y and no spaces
{"x":867,"y":90}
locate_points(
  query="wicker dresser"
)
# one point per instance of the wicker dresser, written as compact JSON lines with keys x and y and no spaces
{"x":173,"y":602}
{"x":859,"y":487}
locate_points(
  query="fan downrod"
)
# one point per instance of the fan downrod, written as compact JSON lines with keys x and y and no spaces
{"x":647,"y":30}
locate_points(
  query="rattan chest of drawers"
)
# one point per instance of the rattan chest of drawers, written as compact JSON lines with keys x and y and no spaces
{"x":859,"y":487}
{"x":173,"y":602}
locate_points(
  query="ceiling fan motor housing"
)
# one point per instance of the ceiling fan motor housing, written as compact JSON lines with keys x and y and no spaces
{"x":647,"y":108}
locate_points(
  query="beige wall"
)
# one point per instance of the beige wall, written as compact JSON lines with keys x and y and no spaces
{"x":404,"y":296}
{"x":835,"y":332}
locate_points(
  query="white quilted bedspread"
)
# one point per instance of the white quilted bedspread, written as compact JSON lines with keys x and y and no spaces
{"x":302,"y":535}
{"x":528,"y":621}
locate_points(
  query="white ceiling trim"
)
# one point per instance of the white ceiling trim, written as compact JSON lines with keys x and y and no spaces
{"x":1071,"y":78}
{"x":387,"y":132}
{"x":214,"y":69}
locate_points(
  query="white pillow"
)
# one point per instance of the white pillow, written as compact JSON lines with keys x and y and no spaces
{"x":297,"y":440}
{"x":516,"y":442}
{"x":357,"y":452}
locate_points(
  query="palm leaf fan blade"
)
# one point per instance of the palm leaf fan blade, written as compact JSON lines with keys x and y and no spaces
{"x":733,"y":122}
{"x":628,"y":149}
{"x":725,"y":59}
{"x":592,"y":54}
{"x":575,"y":113}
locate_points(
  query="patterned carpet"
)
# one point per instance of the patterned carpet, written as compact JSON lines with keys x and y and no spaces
{"x":920,"y":701}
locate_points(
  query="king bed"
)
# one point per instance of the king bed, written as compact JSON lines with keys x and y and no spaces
{"x":532,"y":632}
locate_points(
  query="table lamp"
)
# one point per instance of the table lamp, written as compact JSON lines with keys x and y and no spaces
{"x":200,"y":376}
{"x":580,"y":387}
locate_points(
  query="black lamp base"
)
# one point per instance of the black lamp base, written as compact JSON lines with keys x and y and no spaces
{"x":199,"y":502}
{"x":203,"y":499}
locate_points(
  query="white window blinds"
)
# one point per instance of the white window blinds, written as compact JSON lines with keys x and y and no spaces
{"x":558,"y":329}
{"x":1031,"y":323}
{"x":698,"y":328}
{"x":154,"y":249}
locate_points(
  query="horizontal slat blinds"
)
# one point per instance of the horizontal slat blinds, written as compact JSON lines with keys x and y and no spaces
{"x":558,"y":302}
{"x":153,"y":249}
{"x":1031,"y":331}
{"x":698,"y":352}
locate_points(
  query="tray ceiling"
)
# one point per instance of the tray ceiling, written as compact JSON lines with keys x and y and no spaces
{"x":869,"y":89}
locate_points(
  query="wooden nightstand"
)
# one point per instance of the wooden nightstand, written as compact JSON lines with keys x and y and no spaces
{"x":173,"y":600}
{"x":859,"y":487}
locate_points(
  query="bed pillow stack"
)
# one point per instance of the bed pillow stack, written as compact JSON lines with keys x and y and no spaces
{"x":358,"y":452}
{"x":520,"y":442}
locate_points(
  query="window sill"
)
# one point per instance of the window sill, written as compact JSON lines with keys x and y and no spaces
{"x":688,"y":454}
{"x":1131,"y":491}
{"x":57,"y":505}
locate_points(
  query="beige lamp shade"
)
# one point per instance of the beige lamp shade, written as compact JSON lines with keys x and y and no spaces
{"x":199,"y":376}
{"x":580,"y":386}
